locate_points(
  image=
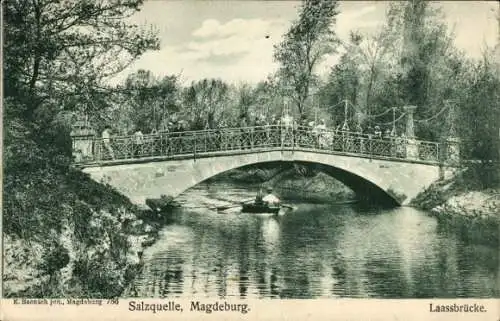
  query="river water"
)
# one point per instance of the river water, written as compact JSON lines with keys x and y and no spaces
{"x":315,"y":251}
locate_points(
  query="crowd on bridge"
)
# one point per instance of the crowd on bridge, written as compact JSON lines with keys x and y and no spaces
{"x":179,"y":137}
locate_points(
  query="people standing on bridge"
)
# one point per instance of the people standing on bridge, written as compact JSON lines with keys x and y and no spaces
{"x":360,"y":139}
{"x":301,"y":132}
{"x":270,"y":198}
{"x":316,"y":131}
{"x":222,"y":133}
{"x":138,"y":143}
{"x":401,"y":146}
{"x":377,"y":144}
{"x":267,"y":128}
{"x":106,"y":141}
{"x":286,"y":129}
{"x":319,"y":131}
{"x":287,"y":121}
{"x":179,"y":128}
{"x":385,"y":147}
{"x":387,"y":134}
{"x":179,"y":142}
{"x":377,"y":133}
{"x":163,"y":139}
{"x":254,"y":131}
{"x":244,"y":132}
{"x":369,"y":132}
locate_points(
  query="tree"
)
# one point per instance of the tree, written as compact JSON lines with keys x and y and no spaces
{"x":425,"y":43}
{"x":149,"y":100}
{"x":246,"y":100}
{"x":206,"y":102}
{"x":371,"y":52}
{"x":307,"y":41}
{"x":344,"y":80}
{"x":415,"y":63}
{"x":57,"y":56}
{"x":478,"y":116}
{"x":58,"y":48}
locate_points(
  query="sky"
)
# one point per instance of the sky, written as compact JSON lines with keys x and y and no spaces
{"x":233,"y":40}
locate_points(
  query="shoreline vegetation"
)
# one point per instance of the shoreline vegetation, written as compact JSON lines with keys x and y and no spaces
{"x":93,"y":250}
{"x":297,"y":183}
{"x":462,"y":201}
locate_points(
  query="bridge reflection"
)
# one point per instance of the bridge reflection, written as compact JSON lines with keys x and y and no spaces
{"x":317,"y":252}
{"x":90,"y":151}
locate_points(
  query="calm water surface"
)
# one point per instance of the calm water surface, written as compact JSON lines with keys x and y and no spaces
{"x":315,"y":251}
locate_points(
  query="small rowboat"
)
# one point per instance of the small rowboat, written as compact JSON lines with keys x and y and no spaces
{"x":262,"y":209}
{"x":259,"y":208}
{"x":163,"y":204}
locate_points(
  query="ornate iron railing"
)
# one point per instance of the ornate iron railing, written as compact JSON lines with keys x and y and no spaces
{"x":242,"y":140}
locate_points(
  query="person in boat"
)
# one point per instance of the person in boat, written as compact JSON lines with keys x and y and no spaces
{"x":270,"y":198}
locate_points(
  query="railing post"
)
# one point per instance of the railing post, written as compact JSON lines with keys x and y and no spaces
{"x":252,"y":137}
{"x":98,"y":150}
{"x":194,"y":147}
{"x":453,"y":150}
{"x":82,"y":137}
{"x":412,"y":146}
{"x":370,"y":143}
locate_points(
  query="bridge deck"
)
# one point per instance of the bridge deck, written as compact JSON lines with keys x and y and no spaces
{"x":91,"y":151}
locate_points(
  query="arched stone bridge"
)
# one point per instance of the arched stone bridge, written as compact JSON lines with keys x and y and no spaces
{"x":170,"y":163}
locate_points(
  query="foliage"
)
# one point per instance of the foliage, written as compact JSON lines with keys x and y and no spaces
{"x":58,"y":55}
{"x":478,"y":120}
{"x":343,"y":82}
{"x":307,"y":41}
{"x":421,"y":67}
{"x":146,"y":102}
{"x":206,"y":102}
{"x":63,"y":50}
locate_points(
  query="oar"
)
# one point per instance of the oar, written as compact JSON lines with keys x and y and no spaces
{"x":233,"y":201}
{"x":222,"y":208}
{"x":289,"y":207}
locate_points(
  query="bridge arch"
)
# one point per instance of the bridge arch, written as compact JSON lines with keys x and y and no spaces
{"x":392,"y":179}
{"x":365,"y":190}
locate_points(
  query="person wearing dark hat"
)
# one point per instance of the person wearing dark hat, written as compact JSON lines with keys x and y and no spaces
{"x":270,"y":198}
{"x":138,"y":142}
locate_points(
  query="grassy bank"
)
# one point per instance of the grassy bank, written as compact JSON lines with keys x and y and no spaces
{"x":464,"y":201}
{"x":66,"y":235}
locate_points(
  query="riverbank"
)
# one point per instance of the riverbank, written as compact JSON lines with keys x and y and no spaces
{"x":291,"y":182}
{"x":460,"y":200}
{"x":82,"y":239}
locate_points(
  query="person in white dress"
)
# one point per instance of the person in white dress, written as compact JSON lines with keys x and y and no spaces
{"x":270,"y":198}
{"x":138,"y":141}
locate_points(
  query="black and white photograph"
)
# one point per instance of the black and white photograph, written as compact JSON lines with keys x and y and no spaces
{"x":239,"y":150}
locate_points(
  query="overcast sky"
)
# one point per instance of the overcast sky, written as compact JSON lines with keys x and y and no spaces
{"x":227,"y":39}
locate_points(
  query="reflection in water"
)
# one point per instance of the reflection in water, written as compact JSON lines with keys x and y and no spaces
{"x":315,"y":251}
